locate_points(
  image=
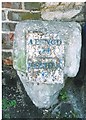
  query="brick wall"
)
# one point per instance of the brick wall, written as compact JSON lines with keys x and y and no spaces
{"x":13,"y":13}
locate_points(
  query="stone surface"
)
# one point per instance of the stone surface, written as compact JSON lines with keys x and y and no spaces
{"x":13,"y":5}
{"x":16,"y":5}
{"x":42,"y":95}
{"x":6,"y":55}
{"x":79,"y":18}
{"x":60,"y":15}
{"x":62,"y":5}
{"x":14,"y":90}
{"x":7,"y":42}
{"x":73,"y":51}
{"x":14,"y":16}
{"x":63,"y":11}
{"x":25,"y":108}
{"x":7,"y":58}
{"x":18,"y":16}
{"x":3,"y":15}
{"x":70,"y":35}
{"x":8,"y":26}
{"x":32,"y":5}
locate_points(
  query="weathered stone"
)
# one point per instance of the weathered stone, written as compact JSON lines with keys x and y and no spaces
{"x":42,"y":95}
{"x":13,"y":5}
{"x":14,"y":16}
{"x":5,"y":27}
{"x":32,"y":5}
{"x":3,"y":15}
{"x":65,"y":109}
{"x":61,"y":11}
{"x":48,"y":4}
{"x":79,"y":3}
{"x":16,"y":5}
{"x":79,"y":18}
{"x":43,"y":90}
{"x":31,"y":16}
{"x":6,"y":55}
{"x":60,"y":15}
{"x":73,"y":51}
{"x":7,"y":41}
{"x":7,"y":58}
{"x":8,"y":26}
{"x":18,"y":16}
{"x":62,"y":6}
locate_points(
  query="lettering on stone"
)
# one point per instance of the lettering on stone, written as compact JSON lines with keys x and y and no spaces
{"x":45,"y":56}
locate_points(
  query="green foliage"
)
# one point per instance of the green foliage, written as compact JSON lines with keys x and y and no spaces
{"x":63,"y":95}
{"x":7,"y":104}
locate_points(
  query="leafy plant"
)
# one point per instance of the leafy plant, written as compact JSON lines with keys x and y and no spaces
{"x":7,"y":104}
{"x":63,"y":95}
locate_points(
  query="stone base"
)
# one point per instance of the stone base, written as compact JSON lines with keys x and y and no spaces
{"x":42,"y":95}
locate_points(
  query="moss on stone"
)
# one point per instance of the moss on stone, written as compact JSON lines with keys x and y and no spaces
{"x":30,"y":16}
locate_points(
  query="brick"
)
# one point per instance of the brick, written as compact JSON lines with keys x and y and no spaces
{"x":8,"y":26}
{"x":31,"y":16}
{"x":7,"y":58}
{"x":32,"y":5}
{"x":5,"y":27}
{"x":18,"y":16}
{"x":6,"y":55}
{"x":3,"y":15}
{"x":7,"y":42}
{"x":6,"y":4}
{"x":13,"y":5}
{"x":16,"y":5}
{"x":11,"y":36}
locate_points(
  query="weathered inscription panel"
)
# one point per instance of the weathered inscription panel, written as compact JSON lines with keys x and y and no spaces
{"x":39,"y":52}
{"x":45,"y":57}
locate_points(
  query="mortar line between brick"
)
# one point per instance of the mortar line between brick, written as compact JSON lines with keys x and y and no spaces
{"x":23,"y":7}
{"x":6,"y":14}
{"x":8,"y":21}
{"x":7,"y":32}
{"x":5,"y":50}
{"x":20,"y":10}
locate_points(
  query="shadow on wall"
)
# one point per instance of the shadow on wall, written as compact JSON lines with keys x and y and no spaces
{"x":81,"y":76}
{"x":84,"y":10}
